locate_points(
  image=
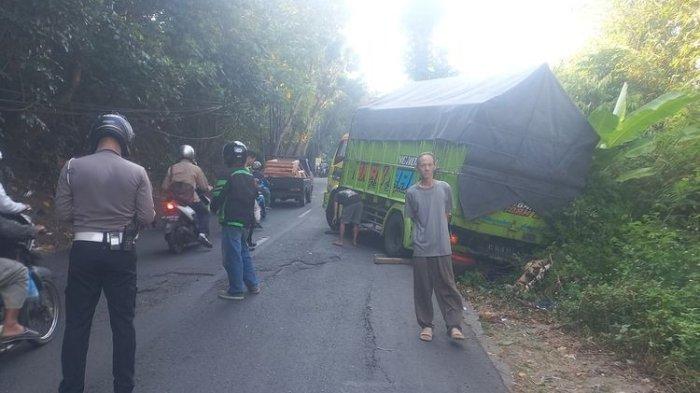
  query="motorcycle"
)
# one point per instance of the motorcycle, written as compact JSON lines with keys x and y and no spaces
{"x":180,"y":225}
{"x":42,"y":309}
{"x":263,"y":208}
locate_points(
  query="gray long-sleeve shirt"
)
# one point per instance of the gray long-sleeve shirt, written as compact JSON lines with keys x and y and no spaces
{"x":103,"y":192}
{"x":7,"y":205}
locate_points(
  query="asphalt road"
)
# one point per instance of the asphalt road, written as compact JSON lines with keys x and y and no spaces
{"x":328,"y":320}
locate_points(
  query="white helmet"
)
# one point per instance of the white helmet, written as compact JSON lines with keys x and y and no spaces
{"x":187,"y":151}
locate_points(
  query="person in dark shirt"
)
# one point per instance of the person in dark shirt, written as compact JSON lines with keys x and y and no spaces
{"x":350,"y":205}
{"x":234,"y":198}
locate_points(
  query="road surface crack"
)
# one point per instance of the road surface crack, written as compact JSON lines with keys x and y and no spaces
{"x":370,"y":342}
{"x":295,"y":264}
{"x":183,"y":274}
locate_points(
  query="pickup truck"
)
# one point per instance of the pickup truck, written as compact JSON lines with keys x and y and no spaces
{"x":290,"y":178}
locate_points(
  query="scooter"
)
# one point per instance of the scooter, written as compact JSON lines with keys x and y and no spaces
{"x":42,"y":309}
{"x":263,"y":208}
{"x":180,"y":225}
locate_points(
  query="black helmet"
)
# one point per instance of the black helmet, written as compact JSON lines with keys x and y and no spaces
{"x":234,"y":153}
{"x":114,"y":125}
{"x":187,"y":152}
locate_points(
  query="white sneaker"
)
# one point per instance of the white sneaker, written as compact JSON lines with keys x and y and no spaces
{"x":202,"y":238}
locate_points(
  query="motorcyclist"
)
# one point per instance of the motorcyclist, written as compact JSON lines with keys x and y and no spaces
{"x":14,"y":276}
{"x":182,"y":181}
{"x":263,"y":183}
{"x":14,"y":280}
{"x":7,"y":205}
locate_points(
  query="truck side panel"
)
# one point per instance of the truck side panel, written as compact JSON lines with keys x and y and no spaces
{"x":383,"y":171}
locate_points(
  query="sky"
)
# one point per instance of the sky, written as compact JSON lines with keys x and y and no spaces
{"x":481,"y":37}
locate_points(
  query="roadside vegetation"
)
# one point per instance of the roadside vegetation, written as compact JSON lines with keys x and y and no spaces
{"x":626,"y":254}
{"x":268,"y":72}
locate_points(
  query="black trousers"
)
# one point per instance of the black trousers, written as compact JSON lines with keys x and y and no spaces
{"x":94,"y":268}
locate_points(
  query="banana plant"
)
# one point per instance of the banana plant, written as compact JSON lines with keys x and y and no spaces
{"x":617,"y":128}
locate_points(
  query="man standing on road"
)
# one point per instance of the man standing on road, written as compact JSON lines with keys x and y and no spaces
{"x":182,"y":181}
{"x":429,"y":205}
{"x":106,"y":198}
{"x":351,"y":213}
{"x":234,"y":197}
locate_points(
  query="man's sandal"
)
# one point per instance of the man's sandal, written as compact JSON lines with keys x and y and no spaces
{"x":426,"y":334}
{"x":456,"y":334}
{"x":27,"y":334}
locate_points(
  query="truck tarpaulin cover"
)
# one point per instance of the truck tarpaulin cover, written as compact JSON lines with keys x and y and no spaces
{"x":527,"y":142}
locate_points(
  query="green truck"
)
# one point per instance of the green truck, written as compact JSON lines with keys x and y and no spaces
{"x":511,"y":147}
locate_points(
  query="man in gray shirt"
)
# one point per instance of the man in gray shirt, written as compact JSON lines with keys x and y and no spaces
{"x":105,"y":197}
{"x":429,"y":206}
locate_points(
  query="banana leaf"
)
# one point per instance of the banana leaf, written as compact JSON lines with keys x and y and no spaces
{"x":653,"y":112}
{"x":604,"y":123}
{"x":638,"y":173}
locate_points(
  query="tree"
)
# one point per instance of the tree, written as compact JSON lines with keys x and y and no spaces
{"x":651,"y":45}
{"x":336,"y":120}
{"x":260,"y":71}
{"x":423,"y":60}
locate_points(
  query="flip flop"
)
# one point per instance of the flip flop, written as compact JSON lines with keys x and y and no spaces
{"x":456,"y":334}
{"x":338,"y":244}
{"x":27,"y":334}
{"x":426,"y":334}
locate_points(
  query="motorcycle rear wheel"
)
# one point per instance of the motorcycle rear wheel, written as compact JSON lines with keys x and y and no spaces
{"x":175,"y":246}
{"x":43,"y":314}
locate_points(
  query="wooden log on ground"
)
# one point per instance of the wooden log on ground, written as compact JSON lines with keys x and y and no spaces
{"x":381,"y":259}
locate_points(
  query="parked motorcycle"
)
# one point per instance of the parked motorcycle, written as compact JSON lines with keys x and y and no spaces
{"x":42,"y":309}
{"x":180,"y":225}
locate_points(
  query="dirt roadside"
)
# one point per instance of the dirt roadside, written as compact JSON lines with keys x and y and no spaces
{"x":544,"y":357}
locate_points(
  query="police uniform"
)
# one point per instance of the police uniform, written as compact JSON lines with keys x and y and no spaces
{"x":101,"y":194}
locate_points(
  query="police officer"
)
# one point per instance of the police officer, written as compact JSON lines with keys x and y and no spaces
{"x":105,"y":197}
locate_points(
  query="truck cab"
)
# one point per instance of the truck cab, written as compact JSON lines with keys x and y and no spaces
{"x":335,"y":171}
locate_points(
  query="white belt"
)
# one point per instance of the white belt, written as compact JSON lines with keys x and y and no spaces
{"x":97,"y":237}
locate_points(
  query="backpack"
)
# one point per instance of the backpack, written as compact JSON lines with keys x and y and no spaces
{"x":182,"y":192}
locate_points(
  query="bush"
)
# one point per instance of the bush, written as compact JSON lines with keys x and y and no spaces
{"x":626,"y":269}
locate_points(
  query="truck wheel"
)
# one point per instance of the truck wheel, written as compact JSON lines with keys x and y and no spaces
{"x":308,"y":196}
{"x":301,"y":200}
{"x":393,"y":236}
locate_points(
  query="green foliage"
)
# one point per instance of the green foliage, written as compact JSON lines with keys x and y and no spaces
{"x":627,"y":252}
{"x":616,"y":130}
{"x":630,"y":276}
{"x":183,"y":72}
